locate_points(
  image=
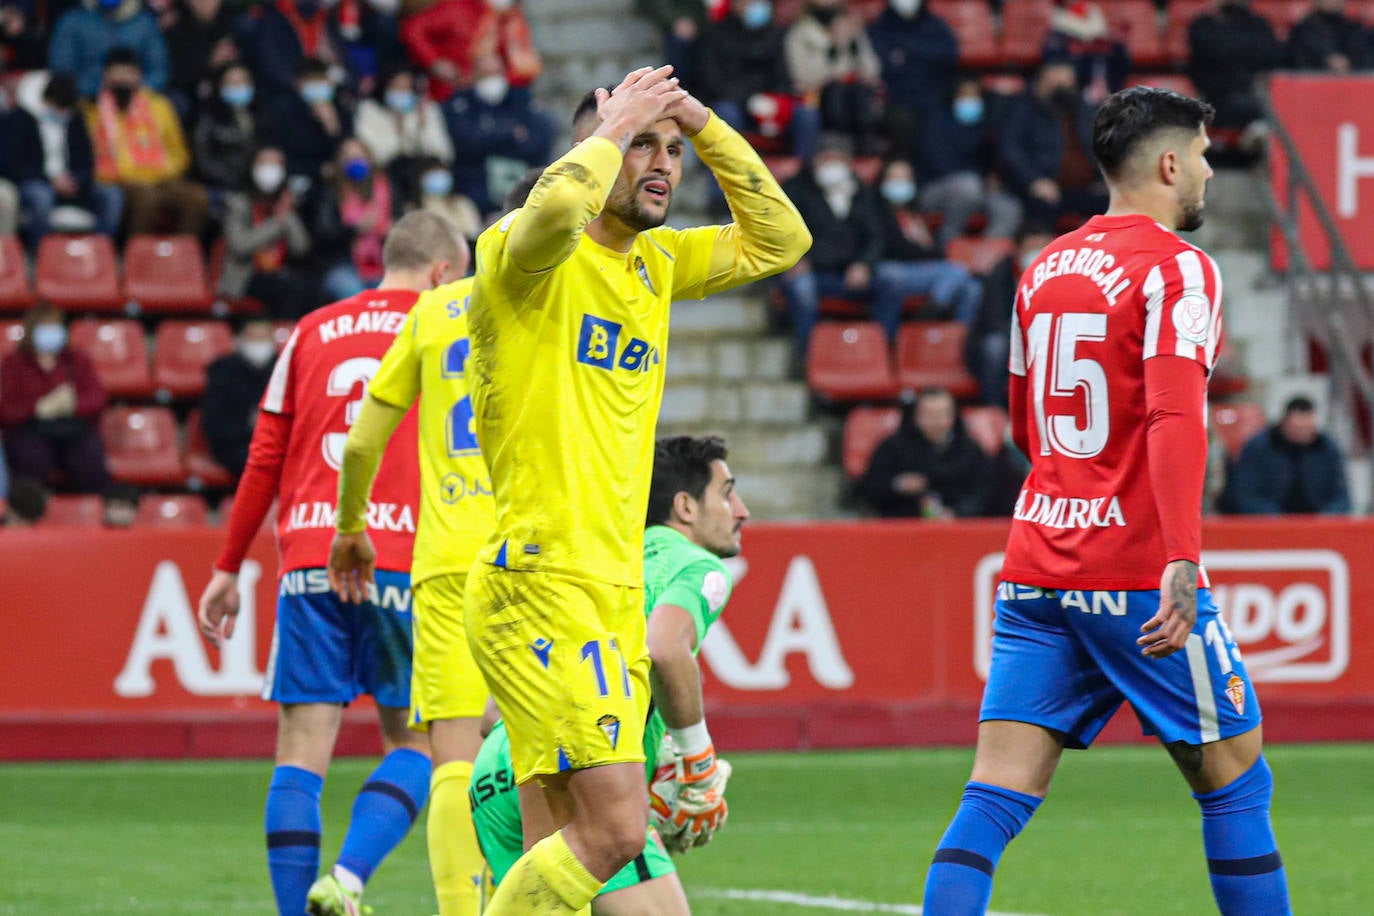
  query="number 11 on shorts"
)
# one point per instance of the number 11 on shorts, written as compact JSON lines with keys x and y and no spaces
{"x":592,"y":650}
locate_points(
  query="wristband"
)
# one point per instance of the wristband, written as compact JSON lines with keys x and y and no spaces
{"x":690,"y":740}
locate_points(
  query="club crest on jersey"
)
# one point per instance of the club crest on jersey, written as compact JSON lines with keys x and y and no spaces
{"x":1235,"y":690}
{"x":598,"y":344}
{"x":611,"y":726}
{"x":643,"y":272}
{"x":1192,"y":315}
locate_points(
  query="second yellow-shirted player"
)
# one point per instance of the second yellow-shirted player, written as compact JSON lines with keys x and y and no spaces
{"x":428,"y":362}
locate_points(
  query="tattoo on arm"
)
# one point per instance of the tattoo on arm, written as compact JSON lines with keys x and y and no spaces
{"x":1183,"y":590}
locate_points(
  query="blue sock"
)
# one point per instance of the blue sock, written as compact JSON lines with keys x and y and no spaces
{"x":1242,"y":856}
{"x":293,"y":836}
{"x":386,"y":806}
{"x":960,"y":878}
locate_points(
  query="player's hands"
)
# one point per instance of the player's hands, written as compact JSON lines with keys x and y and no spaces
{"x":642,"y":98}
{"x":1167,"y":631}
{"x":219,"y":607}
{"x":352,"y":566}
{"x":700,"y":808}
{"x":690,"y":114}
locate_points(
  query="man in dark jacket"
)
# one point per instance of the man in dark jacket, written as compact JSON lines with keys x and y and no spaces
{"x":1047,"y":148}
{"x":233,"y":387}
{"x":1327,"y":39}
{"x":52,"y":162}
{"x":308,"y":123}
{"x":1227,"y":49}
{"x":1292,"y":467}
{"x":744,"y":75}
{"x":929,"y":467}
{"x":920,"y":56}
{"x":199,"y":41}
{"x":275,"y":46}
{"x":843,"y":215}
{"x":990,"y":336}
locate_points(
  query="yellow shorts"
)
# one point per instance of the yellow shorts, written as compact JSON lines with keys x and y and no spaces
{"x":445,"y":682}
{"x":566,"y":661}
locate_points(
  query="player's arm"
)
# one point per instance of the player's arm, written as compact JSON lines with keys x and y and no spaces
{"x":767,"y":236}
{"x":573,"y":190}
{"x":352,"y":559}
{"x":1018,"y":405}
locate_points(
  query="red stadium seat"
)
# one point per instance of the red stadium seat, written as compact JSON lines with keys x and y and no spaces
{"x":783,"y":167}
{"x":1180,"y":16}
{"x":202,"y":470}
{"x":1227,"y":378}
{"x":1281,"y":14}
{"x":971,"y":21}
{"x":15,"y":292}
{"x":864,"y":429}
{"x":166,"y":274}
{"x":120,"y":354}
{"x":85,"y":510}
{"x":78,"y":273}
{"x":180,"y":510}
{"x":931,"y":354}
{"x":987,"y":426}
{"x":979,"y":255}
{"x":1004,"y":83}
{"x":1363,"y":12}
{"x":1175,"y":81}
{"x":141,"y":446}
{"x":850,"y":362}
{"x":1135,"y":22}
{"x":10,"y":333}
{"x":1024,"y":26}
{"x":1236,"y":424}
{"x":868,"y":10}
{"x":182,"y":350}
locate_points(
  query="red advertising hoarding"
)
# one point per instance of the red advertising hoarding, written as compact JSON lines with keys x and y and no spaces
{"x":838,"y":635}
{"x":1331,"y":122}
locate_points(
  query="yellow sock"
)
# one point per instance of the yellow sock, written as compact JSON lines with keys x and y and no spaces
{"x":455,"y":858}
{"x":546,"y":880}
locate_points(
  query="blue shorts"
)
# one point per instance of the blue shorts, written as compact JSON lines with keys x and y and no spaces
{"x":1066,"y":660}
{"x":328,"y":651}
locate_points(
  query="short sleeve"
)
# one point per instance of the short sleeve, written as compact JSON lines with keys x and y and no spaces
{"x":1183,"y":308}
{"x":280,"y":396}
{"x":397,"y":381}
{"x":701,"y":589}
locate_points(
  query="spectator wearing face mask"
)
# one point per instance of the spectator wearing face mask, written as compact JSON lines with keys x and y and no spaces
{"x":226,"y":131}
{"x":494,"y":121}
{"x":276,"y":39}
{"x":233,"y":388}
{"x":928,"y":468}
{"x":1046,"y":148}
{"x":913,"y":263}
{"x":437,"y":196}
{"x":1290,"y":468}
{"x":920,"y":57}
{"x":50,"y":401}
{"x":50,"y":156}
{"x":351,"y":217}
{"x":844,"y":216}
{"x":955,"y":160}
{"x":401,"y":127}
{"x":448,"y":37}
{"x":833,"y":63}
{"x":308,"y":124}
{"x":83,"y":39}
{"x":263,"y":236}
{"x":989,"y":338}
{"x":139,"y":146}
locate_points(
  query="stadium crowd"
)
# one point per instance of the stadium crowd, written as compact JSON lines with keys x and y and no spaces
{"x":286,"y":137}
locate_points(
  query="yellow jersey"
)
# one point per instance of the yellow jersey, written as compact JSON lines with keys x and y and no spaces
{"x":428,"y":360}
{"x":569,"y":345}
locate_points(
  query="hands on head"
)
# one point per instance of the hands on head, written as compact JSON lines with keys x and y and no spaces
{"x":643,"y":98}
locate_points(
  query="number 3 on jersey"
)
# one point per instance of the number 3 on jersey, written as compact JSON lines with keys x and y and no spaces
{"x":1057,"y":371}
{"x":462,"y":425}
{"x":342,"y":380}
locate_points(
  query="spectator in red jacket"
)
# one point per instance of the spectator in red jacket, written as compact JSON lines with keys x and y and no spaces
{"x":445,"y":38}
{"x":50,"y":399}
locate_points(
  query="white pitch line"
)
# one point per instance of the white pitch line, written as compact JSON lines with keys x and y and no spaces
{"x":837,"y":904}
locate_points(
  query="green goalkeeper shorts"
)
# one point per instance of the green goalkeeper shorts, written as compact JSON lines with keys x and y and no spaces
{"x":653,"y":862}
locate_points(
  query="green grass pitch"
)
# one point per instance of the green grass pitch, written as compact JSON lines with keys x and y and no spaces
{"x":1119,"y":835}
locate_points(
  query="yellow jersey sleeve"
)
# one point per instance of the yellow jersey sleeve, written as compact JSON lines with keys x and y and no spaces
{"x":362,"y":457}
{"x":397,"y":381}
{"x":767,"y":237}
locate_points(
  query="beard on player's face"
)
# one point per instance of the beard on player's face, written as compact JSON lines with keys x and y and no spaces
{"x":625,"y":205}
{"x":1190,"y":212}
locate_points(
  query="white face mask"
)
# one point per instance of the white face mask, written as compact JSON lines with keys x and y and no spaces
{"x":832,"y":174}
{"x":268,"y":176}
{"x":907,"y":8}
{"x":500,"y":6}
{"x":491,"y":89}
{"x":257,"y":353}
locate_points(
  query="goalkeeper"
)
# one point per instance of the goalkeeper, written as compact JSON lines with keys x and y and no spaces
{"x":694,"y":519}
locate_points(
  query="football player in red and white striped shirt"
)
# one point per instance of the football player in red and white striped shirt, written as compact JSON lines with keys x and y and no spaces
{"x":1103,"y":600}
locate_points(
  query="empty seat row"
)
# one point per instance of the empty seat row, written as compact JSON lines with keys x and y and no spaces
{"x":155,"y":510}
{"x":866,"y":427}
{"x":142,"y":447}
{"x":80,"y":273}
{"x":851,"y":361}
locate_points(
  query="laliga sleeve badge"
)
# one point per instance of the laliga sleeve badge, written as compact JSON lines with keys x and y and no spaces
{"x":1192,"y":316}
{"x":1235,"y":689}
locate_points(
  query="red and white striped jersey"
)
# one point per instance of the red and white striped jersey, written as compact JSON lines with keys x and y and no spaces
{"x":1089,"y":311}
{"x":319,"y":382}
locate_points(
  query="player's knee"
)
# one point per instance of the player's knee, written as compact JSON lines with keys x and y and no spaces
{"x":619,"y":836}
{"x":1252,"y":790}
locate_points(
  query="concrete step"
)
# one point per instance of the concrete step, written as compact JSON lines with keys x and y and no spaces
{"x":763,"y":445}
{"x":704,"y":405}
{"x":1236,"y":216}
{"x":728,"y":358}
{"x":560,"y":36}
{"x":539,"y":10}
{"x":789,"y":493}
{"x":719,"y":316}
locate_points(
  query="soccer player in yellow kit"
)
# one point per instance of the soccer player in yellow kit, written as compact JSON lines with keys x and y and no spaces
{"x":569,"y":330}
{"x":447,"y":693}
